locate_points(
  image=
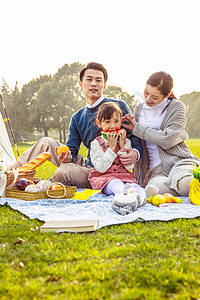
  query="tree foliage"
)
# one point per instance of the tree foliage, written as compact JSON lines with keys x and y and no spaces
{"x":115,"y":92}
{"x":48,"y":103}
{"x":192,"y":103}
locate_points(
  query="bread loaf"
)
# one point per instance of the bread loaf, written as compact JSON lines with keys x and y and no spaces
{"x":35,"y":162}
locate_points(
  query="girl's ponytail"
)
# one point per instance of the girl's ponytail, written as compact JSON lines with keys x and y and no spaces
{"x":172,"y":96}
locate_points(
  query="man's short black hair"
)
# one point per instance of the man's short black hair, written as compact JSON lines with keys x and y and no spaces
{"x":94,"y":66}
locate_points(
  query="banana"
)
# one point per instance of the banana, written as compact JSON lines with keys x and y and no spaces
{"x":197,"y":193}
{"x":197,"y":199}
{"x":194,"y":182}
{"x":197,"y":188}
{"x":177,"y":200}
{"x":194,"y":190}
{"x":191,"y":195}
{"x":194,"y":197}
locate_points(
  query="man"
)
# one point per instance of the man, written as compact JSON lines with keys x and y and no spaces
{"x":72,"y":168}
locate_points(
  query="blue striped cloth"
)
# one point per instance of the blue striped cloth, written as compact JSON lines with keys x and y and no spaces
{"x":99,"y":207}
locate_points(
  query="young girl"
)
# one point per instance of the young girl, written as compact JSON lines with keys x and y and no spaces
{"x":109,"y":174}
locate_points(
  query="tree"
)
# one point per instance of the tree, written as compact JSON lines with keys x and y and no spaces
{"x":192,"y":103}
{"x":115,"y":92}
{"x":56,"y":101}
{"x":17,"y":111}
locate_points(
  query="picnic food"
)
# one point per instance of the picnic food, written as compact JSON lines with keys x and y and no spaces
{"x":35,"y":162}
{"x":177,"y":200}
{"x":105,"y":133}
{"x":55,"y":187}
{"x":194,"y":190}
{"x":30,"y":188}
{"x":61,"y":149}
{"x":168,"y":197}
{"x":41,"y":186}
{"x":22,"y":183}
{"x":159,"y":199}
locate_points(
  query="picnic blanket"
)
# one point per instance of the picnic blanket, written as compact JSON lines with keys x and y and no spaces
{"x":99,"y":207}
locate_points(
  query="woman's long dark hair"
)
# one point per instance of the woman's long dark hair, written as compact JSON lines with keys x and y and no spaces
{"x":163,"y":82}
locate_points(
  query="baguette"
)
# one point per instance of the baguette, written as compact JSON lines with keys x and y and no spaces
{"x":35,"y":162}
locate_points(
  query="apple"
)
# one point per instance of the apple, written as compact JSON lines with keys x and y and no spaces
{"x":168,"y":197}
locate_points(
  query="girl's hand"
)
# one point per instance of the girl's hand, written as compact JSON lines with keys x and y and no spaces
{"x":112,"y":140}
{"x":122,"y":138}
{"x":131,"y":120}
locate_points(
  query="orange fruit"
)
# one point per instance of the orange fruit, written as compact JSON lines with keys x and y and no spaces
{"x":158,"y":199}
{"x":55,"y":187}
{"x":62,"y":149}
{"x":168,"y":197}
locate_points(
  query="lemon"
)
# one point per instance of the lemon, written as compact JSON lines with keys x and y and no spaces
{"x":158,"y":199}
{"x":150,"y":199}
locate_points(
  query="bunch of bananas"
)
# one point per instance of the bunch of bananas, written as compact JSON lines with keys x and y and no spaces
{"x":194,"y":191}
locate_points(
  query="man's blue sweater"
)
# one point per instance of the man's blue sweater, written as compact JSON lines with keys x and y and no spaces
{"x":83,"y":128}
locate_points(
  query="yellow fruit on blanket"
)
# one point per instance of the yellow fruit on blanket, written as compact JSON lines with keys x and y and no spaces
{"x":177,"y":200}
{"x":150,"y":199}
{"x":194,"y":196}
{"x":194,"y":191}
{"x":158,"y":199}
{"x":194,"y":183}
{"x":62,"y":149}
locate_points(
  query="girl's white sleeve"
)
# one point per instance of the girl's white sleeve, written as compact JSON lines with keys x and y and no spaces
{"x":101,"y":160}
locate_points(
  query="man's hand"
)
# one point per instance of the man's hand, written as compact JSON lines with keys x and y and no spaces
{"x":65,"y":157}
{"x":129,"y":158}
{"x":130,"y":119}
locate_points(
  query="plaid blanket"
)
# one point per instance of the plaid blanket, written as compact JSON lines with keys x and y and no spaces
{"x":99,"y":207}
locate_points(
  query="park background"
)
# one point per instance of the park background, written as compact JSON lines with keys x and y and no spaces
{"x":44,"y":43}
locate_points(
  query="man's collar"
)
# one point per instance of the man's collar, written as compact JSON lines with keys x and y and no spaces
{"x":95,"y":103}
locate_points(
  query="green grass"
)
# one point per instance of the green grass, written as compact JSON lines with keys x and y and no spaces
{"x":151,"y":260}
{"x":194,"y":145}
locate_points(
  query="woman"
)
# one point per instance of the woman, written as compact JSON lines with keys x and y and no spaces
{"x":160,"y":123}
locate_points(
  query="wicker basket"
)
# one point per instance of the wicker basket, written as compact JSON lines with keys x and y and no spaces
{"x":28,"y":175}
{"x":31,"y":196}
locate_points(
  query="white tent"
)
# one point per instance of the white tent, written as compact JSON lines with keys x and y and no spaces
{"x":7,"y":157}
{"x":6,"y":151}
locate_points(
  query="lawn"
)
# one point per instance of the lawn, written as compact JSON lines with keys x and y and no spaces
{"x":151,"y":260}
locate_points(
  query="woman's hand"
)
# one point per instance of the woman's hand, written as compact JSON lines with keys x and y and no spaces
{"x":129,"y":158}
{"x":65,"y":157}
{"x":122,"y":138}
{"x":112,"y":140}
{"x":130,"y":119}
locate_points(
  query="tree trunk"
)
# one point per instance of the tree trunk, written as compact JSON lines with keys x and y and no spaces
{"x":60,"y":135}
{"x":64,"y":136}
{"x":46,"y":132}
{"x":64,"y":132}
